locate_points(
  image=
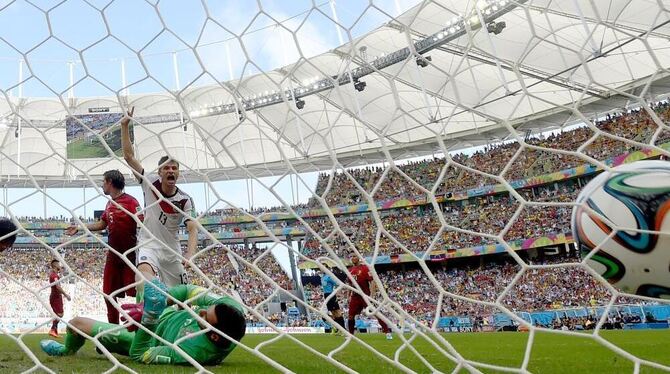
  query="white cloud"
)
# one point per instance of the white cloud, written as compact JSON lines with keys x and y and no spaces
{"x":270,"y":47}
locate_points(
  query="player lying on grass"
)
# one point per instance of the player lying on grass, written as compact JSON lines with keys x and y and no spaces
{"x":207,"y":348}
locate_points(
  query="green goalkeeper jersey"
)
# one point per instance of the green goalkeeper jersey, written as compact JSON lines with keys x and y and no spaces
{"x":175,"y":324}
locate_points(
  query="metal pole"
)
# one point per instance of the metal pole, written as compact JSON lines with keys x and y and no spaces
{"x":290,"y":86}
{"x":84,"y":191}
{"x":246,"y":183}
{"x":123,"y":78}
{"x":20,"y":79}
{"x":44,"y":200}
{"x":18,"y":146}
{"x":290,"y":179}
{"x":175,"y":67}
{"x":251,"y":190}
{"x":398,"y":9}
{"x":70,"y":92}
{"x":337,"y":21}
{"x":230,"y":64}
{"x":297,"y":283}
{"x":358,"y":111}
{"x":297,"y":190}
{"x":18,"y":122}
{"x":206,"y":196}
{"x":260,"y":135}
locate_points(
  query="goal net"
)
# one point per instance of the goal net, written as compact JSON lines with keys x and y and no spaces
{"x":441,"y":143}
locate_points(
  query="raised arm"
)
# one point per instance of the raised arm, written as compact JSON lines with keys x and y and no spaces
{"x":128,"y":152}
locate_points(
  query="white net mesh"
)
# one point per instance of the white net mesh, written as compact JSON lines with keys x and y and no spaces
{"x":458,"y":131}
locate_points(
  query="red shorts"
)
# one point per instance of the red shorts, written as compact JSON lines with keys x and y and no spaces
{"x":356,"y":306}
{"x":117,"y":275}
{"x":56,"y":304}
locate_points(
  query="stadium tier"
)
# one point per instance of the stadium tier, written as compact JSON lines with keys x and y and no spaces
{"x":471,"y":204}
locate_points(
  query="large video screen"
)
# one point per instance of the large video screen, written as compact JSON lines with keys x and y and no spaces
{"x":83,"y":142}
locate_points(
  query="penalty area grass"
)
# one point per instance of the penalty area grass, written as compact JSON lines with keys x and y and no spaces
{"x":551,"y":353}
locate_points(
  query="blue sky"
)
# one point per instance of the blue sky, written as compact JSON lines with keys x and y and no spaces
{"x":145,"y":35}
{"x":30,"y":202}
{"x":243,"y":31}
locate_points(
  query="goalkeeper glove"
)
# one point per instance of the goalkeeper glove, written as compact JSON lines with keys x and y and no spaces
{"x":135,"y":313}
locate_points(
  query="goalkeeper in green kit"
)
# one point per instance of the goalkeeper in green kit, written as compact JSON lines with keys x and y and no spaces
{"x":169,"y":323}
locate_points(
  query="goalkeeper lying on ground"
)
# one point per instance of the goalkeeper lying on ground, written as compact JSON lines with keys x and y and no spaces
{"x":170,"y":323}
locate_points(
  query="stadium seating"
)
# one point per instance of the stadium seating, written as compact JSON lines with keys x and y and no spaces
{"x":414,"y":227}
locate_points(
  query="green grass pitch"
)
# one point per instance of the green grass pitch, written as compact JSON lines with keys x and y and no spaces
{"x":551,"y":353}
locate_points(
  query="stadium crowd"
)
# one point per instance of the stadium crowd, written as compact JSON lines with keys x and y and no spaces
{"x":31,"y":268}
{"x":635,"y":125}
{"x":225,"y":271}
{"x":538,"y":289}
{"x":414,"y":228}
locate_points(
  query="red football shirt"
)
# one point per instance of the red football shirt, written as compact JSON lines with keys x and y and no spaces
{"x":55,"y":294}
{"x":361,"y":273}
{"x":121,"y":228}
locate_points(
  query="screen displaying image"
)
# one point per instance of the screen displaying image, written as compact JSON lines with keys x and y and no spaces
{"x":83,"y":141}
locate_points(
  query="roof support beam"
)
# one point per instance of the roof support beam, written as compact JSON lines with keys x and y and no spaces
{"x":235,"y":93}
{"x":632,"y":29}
{"x":525,"y":70}
{"x":281,"y":134}
{"x":341,"y":108}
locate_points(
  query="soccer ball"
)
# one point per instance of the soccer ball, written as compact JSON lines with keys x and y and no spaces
{"x":630,"y":197}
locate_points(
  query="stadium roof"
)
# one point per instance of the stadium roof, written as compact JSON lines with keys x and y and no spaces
{"x":550,"y":57}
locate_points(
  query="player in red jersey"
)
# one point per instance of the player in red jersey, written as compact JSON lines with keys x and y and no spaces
{"x":361,"y":274}
{"x":121,"y":236}
{"x":56,"y":296}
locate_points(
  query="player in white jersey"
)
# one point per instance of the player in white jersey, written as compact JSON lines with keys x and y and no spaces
{"x":166,"y":207}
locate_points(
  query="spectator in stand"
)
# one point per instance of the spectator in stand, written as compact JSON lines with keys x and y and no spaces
{"x":635,"y":125}
{"x":538,"y":289}
{"x":414,"y":227}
